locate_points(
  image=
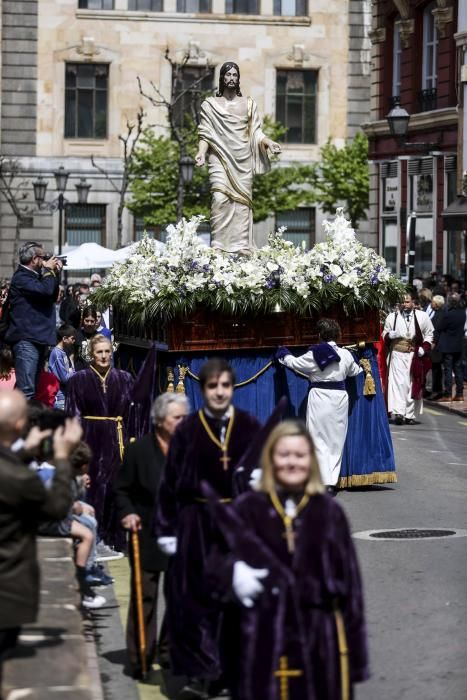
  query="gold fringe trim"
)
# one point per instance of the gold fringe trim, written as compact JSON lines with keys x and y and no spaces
{"x":348,"y":482}
{"x":239,"y":384}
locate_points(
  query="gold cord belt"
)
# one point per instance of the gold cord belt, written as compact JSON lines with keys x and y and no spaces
{"x":119,"y":422}
{"x":217,"y":500}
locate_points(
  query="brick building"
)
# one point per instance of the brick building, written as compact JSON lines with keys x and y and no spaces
{"x":68,"y":73}
{"x":416,"y":65}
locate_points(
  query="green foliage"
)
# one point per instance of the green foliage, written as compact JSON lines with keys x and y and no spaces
{"x":154,"y":180}
{"x":343,"y":177}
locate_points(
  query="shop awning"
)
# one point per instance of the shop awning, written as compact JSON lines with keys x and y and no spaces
{"x":455,"y":215}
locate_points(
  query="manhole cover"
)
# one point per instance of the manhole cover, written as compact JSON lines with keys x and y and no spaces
{"x":411,"y":534}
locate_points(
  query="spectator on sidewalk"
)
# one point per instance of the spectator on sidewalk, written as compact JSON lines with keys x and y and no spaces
{"x":437,"y":306}
{"x":60,"y":361}
{"x":33,"y":293}
{"x":24,"y":501}
{"x":7,"y":370}
{"x":450,"y":344}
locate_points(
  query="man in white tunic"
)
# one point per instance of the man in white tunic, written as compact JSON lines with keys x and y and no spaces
{"x":236,"y":149}
{"x":327,"y":367}
{"x":408,"y":335}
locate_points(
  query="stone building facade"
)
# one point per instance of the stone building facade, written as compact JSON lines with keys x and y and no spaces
{"x":69,"y":73}
{"x":416,"y":64}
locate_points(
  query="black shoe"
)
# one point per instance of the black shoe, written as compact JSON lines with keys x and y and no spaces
{"x":331,"y":491}
{"x":398,"y":420}
{"x":195,"y":689}
{"x":410,"y":421}
{"x":218,"y":689}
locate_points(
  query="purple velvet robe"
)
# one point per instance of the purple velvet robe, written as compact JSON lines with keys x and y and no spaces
{"x":194,"y":618}
{"x":85,"y":397}
{"x":294,"y":616}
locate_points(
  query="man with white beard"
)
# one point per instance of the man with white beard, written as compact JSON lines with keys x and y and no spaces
{"x":408,"y":335}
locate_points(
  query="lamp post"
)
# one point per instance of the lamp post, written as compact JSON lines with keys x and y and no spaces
{"x":59,"y":204}
{"x":398,"y":122}
{"x":185,"y":176}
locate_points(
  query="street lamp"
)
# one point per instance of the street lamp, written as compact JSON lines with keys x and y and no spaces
{"x":185,"y":176}
{"x":398,"y":122}
{"x":61,"y":179}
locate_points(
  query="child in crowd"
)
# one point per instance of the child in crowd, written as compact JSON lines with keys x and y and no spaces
{"x":7,"y":370}
{"x":61,"y":361}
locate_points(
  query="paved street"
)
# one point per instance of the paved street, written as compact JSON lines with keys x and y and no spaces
{"x":416,"y":590}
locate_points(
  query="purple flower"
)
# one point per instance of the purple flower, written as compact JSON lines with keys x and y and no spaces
{"x":329,"y":278}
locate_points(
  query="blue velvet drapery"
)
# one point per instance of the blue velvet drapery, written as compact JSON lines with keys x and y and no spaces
{"x":368,"y":453}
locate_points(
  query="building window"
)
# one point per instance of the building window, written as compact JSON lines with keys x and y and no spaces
{"x":190,"y":84}
{"x":86,"y":87}
{"x":430,"y":49}
{"x":193,"y":5}
{"x":390,"y":243}
{"x":396,"y":60}
{"x":84,"y":223}
{"x":96,"y":4}
{"x":241,"y":7}
{"x":296,"y":104}
{"x":300,"y":225}
{"x":292,"y":8}
{"x":145,"y":5}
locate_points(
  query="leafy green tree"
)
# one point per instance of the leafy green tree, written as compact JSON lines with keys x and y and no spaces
{"x":342,"y":176}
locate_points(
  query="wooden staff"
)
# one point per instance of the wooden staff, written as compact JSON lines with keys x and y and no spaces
{"x":138,"y":588}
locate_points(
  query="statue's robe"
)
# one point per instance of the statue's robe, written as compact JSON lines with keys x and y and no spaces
{"x":236,"y":153}
{"x":194,"y":618}
{"x":294,"y":618}
{"x":104,"y":417}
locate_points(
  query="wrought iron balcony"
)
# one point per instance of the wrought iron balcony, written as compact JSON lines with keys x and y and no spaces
{"x":427,"y":100}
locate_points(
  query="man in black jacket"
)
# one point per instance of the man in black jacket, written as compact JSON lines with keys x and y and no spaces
{"x":24,"y":500}
{"x":137,"y":493}
{"x":33,"y":292}
{"x":450,"y":338}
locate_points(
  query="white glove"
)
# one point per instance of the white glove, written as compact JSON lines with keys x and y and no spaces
{"x":245,"y":583}
{"x":255,"y":478}
{"x":421,"y":352}
{"x":168,"y":545}
{"x":393,"y":334}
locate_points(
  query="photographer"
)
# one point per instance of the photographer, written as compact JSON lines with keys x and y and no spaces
{"x":24,"y":501}
{"x":31,"y":323}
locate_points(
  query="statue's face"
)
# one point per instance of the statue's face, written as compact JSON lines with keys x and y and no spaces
{"x":231,"y":78}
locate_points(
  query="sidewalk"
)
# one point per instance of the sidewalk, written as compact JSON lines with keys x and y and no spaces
{"x":457,"y":407}
{"x":54,"y":658}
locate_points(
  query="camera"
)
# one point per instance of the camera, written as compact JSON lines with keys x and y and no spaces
{"x":62,"y":258}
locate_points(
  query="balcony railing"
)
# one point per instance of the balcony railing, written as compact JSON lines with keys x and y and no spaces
{"x":427,"y":100}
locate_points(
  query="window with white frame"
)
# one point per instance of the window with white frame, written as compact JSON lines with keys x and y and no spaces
{"x":430,"y":49}
{"x":291,"y":8}
{"x":193,"y":5}
{"x":300,"y":225}
{"x":396,"y":60}
{"x":242,"y":7}
{"x":85,"y":223}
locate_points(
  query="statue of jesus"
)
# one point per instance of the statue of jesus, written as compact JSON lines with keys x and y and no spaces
{"x":236,"y":149}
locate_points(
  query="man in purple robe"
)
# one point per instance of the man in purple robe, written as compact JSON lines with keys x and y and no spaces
{"x":206,"y":447}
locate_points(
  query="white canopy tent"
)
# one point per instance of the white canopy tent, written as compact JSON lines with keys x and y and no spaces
{"x":92,"y":256}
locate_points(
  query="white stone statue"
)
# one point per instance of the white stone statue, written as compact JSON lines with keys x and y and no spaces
{"x":236,"y":149}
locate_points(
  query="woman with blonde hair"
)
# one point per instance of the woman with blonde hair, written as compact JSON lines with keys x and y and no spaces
{"x":101,"y":396}
{"x":296,"y":579}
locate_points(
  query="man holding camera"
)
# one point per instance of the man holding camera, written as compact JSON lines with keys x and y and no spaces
{"x":31,"y":323}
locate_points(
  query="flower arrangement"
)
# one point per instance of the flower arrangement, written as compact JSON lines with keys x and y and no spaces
{"x":280,"y":276}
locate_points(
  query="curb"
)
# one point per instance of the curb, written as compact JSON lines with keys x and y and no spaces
{"x":447,"y":407}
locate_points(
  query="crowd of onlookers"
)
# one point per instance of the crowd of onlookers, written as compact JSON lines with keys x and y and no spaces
{"x":445,"y":302}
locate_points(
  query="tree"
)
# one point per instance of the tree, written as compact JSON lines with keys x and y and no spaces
{"x":14,"y":192}
{"x":342,"y":176}
{"x":120,"y":184}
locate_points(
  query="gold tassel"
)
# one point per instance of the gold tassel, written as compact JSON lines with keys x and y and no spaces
{"x":170,"y":380}
{"x":369,"y":388}
{"x":182,"y":372}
